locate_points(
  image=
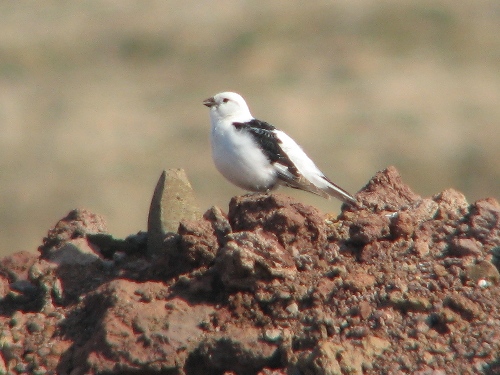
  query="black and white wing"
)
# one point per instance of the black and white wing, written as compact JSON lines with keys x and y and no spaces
{"x":270,"y":141}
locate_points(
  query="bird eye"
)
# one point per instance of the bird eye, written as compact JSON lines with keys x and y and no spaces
{"x":225,"y":100}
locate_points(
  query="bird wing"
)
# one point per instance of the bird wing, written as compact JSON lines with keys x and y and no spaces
{"x":310,"y":177}
{"x":297,"y":181}
{"x":266,"y":137}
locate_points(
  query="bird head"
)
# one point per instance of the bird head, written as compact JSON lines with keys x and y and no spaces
{"x":228,"y":105}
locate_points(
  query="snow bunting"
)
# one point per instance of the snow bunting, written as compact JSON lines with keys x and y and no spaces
{"x":256,"y":156}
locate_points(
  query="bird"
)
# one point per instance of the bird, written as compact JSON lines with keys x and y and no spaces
{"x":256,"y":156}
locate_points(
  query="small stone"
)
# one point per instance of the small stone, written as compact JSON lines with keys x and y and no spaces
{"x":452,"y":205}
{"x":468,"y":309}
{"x":359,"y":281}
{"x":483,"y":283}
{"x":368,"y":227}
{"x":485,"y":222}
{"x":375,"y":346}
{"x":483,"y":270}
{"x":220,"y":223}
{"x":365,"y":309}
{"x":440,"y":270}
{"x":324,"y":356}
{"x":173,"y":201}
{"x":75,"y":252}
{"x":197,"y":242}
{"x":421,"y":248}
{"x":77,"y":224}
{"x":424,"y":210}
{"x":428,"y":358}
{"x":402,"y":225}
{"x":292,"y":308}
{"x":461,"y":247}
{"x":272,"y":335}
{"x":34,"y":327}
{"x":406,"y":302}
{"x":43,"y":351}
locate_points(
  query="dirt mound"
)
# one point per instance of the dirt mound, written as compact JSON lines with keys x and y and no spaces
{"x":400,"y":284}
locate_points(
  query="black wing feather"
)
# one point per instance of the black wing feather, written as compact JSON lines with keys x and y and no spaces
{"x":264,"y":135}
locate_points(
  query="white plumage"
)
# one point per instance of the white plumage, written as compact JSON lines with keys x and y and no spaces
{"x":256,"y":156}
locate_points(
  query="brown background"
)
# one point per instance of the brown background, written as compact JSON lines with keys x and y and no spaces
{"x":98,"y":97}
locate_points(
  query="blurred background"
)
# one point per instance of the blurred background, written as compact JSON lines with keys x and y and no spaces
{"x":97,"y":97}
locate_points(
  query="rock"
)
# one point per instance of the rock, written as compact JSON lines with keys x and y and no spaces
{"x":403,"y":225}
{"x":406,"y":302}
{"x":483,"y":270}
{"x":465,"y":307}
{"x":484,"y":222}
{"x":440,"y":270}
{"x":272,"y":335}
{"x":198,"y":242}
{"x":461,"y":247}
{"x":123,"y":329}
{"x":367,"y":227}
{"x":173,"y":201}
{"x":249,"y":257}
{"x":218,"y":353}
{"x":365,"y":309}
{"x":452,"y":205}
{"x":294,"y":224}
{"x":292,"y":308}
{"x":77,"y":224}
{"x":333,"y":359}
{"x":423,"y":210}
{"x":77,"y":251}
{"x":16,"y":266}
{"x":359,"y":281}
{"x":387,"y":192}
{"x":323,"y":360}
{"x":421,"y":248}
{"x":220,"y":224}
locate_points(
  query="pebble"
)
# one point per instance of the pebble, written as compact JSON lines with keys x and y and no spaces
{"x":483,"y":283}
{"x":292,"y":308}
{"x":272,"y":334}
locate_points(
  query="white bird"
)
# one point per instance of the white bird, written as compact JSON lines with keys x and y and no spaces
{"x":256,"y":156}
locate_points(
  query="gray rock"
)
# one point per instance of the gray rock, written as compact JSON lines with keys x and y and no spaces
{"x":173,"y":201}
{"x":78,"y":251}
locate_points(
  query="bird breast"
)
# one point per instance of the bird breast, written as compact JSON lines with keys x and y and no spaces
{"x":239,"y":159}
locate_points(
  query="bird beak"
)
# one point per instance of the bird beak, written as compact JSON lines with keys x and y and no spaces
{"x":209,"y":102}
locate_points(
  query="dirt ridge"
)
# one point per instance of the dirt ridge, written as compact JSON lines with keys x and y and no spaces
{"x":399,"y":284}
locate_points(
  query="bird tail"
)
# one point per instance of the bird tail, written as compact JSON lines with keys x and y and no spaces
{"x":322,"y":186}
{"x":337,"y":192}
